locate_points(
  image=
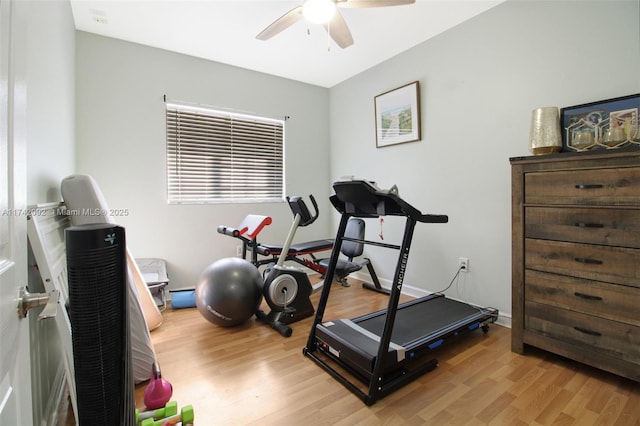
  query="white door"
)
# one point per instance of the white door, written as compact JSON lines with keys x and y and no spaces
{"x":15,"y":374}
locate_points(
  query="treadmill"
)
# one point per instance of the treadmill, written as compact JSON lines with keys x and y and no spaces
{"x":388,"y":348}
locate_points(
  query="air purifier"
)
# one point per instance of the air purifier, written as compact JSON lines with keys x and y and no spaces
{"x":97,"y":276}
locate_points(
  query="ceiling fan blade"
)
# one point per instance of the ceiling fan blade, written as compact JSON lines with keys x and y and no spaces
{"x":372,"y":3}
{"x":339,"y":31}
{"x":282,"y":23}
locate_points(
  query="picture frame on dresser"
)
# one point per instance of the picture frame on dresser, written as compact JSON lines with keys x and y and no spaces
{"x":605,"y":124}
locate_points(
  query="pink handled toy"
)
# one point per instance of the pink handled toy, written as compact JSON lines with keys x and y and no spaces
{"x":158,"y":391}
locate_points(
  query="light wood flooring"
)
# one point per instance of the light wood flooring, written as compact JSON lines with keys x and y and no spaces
{"x":250,"y":375}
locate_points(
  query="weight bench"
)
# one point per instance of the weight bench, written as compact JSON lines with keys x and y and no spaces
{"x":352,"y":249}
{"x":296,"y":250}
{"x":248,"y":231}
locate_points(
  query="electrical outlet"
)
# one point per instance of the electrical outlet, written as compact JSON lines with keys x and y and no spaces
{"x":239,"y":251}
{"x":464,"y":264}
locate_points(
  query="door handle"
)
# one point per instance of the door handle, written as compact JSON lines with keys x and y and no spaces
{"x":27,"y":300}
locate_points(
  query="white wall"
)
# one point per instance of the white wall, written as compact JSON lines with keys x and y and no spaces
{"x":121,"y":143}
{"x":50,"y":98}
{"x":479,"y":83}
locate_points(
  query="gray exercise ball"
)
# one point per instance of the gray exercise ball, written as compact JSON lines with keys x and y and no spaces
{"x":229,"y":291}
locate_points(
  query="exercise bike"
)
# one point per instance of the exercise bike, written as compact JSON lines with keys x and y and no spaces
{"x":286,"y":289}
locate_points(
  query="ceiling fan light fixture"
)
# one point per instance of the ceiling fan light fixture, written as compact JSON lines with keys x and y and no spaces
{"x":318,"y":11}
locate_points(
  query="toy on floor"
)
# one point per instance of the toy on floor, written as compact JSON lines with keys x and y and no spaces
{"x":168,"y":410}
{"x":158,"y":391}
{"x":186,"y":417}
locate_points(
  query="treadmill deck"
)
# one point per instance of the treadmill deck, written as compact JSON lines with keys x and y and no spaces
{"x":420,"y":325}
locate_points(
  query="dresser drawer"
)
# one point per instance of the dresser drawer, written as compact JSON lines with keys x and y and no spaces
{"x":593,"y":262}
{"x":588,"y":187}
{"x":611,"y":338}
{"x":614,"y":227}
{"x":614,"y":302}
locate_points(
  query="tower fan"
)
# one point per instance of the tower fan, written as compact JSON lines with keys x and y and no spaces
{"x":97,"y":275}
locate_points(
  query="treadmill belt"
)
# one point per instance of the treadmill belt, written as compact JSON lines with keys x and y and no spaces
{"x":419,"y":320}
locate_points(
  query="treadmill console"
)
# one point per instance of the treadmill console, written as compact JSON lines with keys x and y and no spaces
{"x":365,"y":199}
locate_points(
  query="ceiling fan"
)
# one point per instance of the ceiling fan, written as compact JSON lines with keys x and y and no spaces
{"x":325,"y":12}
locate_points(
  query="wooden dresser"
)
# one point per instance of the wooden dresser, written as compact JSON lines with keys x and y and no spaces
{"x":576,"y":257}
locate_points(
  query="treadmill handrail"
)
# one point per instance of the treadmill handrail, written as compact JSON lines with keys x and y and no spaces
{"x":363,"y":199}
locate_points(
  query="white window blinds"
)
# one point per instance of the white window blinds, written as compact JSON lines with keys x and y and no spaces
{"x":215,"y":156}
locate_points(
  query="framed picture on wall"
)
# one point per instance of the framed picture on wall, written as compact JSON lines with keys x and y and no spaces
{"x":398,"y":115}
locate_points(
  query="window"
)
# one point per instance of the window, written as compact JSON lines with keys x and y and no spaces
{"x":215,"y":156}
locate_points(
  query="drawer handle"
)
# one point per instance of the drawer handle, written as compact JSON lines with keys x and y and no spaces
{"x":586,"y":331}
{"x":589,"y":225}
{"x":589,"y":186}
{"x":587,"y":296}
{"x":588,"y":261}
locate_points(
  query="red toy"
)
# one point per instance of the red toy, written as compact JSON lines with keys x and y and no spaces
{"x":158,"y":391}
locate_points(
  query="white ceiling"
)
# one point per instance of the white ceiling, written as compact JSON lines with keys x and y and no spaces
{"x":224,"y":31}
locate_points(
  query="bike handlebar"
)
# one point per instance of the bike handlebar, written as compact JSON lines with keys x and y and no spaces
{"x":299,"y":207}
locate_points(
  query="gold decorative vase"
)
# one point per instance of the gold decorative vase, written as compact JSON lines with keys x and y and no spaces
{"x":544,"y":134}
